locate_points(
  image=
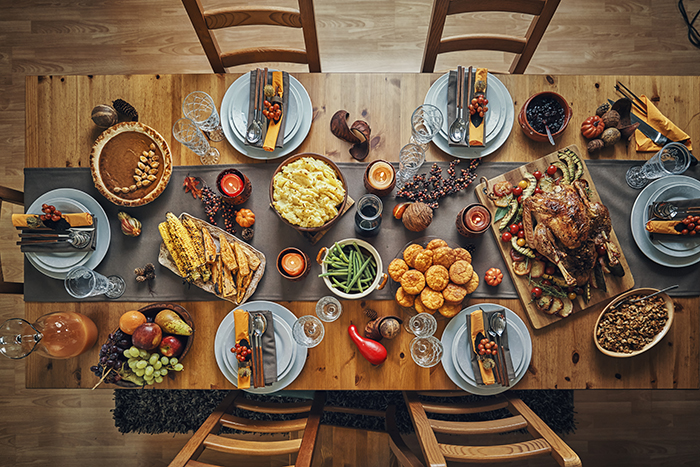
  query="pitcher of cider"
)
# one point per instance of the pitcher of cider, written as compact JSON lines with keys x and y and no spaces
{"x":60,"y":335}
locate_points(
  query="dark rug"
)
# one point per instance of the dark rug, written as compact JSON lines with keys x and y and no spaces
{"x":180,"y":411}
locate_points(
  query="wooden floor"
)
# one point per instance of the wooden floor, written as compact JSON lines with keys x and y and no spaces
{"x":64,"y":428}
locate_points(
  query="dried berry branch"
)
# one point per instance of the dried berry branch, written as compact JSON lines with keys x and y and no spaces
{"x":430,"y":188}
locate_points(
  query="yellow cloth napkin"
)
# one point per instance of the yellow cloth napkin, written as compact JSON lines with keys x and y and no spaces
{"x":477,"y":326}
{"x":274,"y":129}
{"x":78,"y":219}
{"x":240,"y":321}
{"x":663,"y":125}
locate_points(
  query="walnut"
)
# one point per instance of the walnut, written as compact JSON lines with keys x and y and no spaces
{"x":417,"y":217}
{"x":595,"y":145}
{"x":611,"y":119}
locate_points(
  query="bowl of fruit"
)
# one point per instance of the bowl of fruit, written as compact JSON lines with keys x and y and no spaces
{"x":148,"y":345}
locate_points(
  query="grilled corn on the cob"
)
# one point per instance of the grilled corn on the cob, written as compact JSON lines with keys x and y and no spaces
{"x":184,"y":247}
{"x":195,"y":234}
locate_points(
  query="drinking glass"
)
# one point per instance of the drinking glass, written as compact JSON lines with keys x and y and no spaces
{"x":82,"y":282}
{"x":368,"y":215}
{"x":673,"y":159}
{"x":328,"y":309}
{"x":425,"y":123}
{"x":422,"y":325}
{"x":186,"y":132}
{"x":308,"y":331}
{"x":411,"y":158}
{"x":426,"y":351}
{"x":199,"y":107}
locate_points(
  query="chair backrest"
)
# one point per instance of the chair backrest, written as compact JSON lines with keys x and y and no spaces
{"x":523,"y":47}
{"x":14,"y":197}
{"x":207,"y":436}
{"x":544,"y":442}
{"x":206,"y":21}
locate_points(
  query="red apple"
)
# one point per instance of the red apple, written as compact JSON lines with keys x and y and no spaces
{"x":171,"y":346}
{"x":147,"y":336}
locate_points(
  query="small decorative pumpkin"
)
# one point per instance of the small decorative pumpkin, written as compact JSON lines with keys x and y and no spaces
{"x":493,"y":277}
{"x":245,"y":217}
{"x":592,"y":127}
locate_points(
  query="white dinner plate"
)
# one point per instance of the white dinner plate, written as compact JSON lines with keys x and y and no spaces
{"x":639,"y":217}
{"x":498,"y":125}
{"x":298,"y":359}
{"x":520,"y":351}
{"x":306,"y":118}
{"x":677,"y":245}
{"x":104,"y":234}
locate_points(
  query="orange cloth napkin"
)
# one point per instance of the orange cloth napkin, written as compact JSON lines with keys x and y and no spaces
{"x":476,"y":133}
{"x":477,"y":326}
{"x":240,"y":321}
{"x":274,"y":129}
{"x":663,"y":125}
{"x":78,"y":219}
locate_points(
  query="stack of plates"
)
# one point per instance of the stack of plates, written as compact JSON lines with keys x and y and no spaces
{"x":456,"y":358}
{"x":666,"y":250}
{"x":234,"y":118}
{"x":498,"y":120}
{"x":69,"y":200}
{"x":290,"y":356}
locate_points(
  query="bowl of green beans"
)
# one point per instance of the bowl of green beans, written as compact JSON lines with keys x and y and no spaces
{"x":351,"y":268}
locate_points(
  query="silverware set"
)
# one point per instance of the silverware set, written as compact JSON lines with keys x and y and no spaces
{"x":497,"y":325}
{"x":254,"y":132}
{"x":259,"y":327}
{"x":667,"y":210}
{"x":459,"y":129}
{"x":77,"y":238}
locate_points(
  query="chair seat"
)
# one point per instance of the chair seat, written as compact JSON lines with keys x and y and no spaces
{"x":252,"y":448}
{"x":263,"y":426}
{"x":459,"y":408}
{"x":502,"y":425}
{"x":271,"y":407}
{"x":500,"y":453}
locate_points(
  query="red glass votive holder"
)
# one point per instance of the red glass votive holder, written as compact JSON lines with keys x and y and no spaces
{"x":234,"y":186}
{"x":473,"y":220}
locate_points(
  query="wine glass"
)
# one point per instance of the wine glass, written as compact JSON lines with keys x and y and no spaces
{"x":308,"y":331}
{"x":411,"y":158}
{"x":672,"y":159}
{"x":426,"y":121}
{"x":186,"y":132}
{"x":199,"y":107}
{"x":328,"y":309}
{"x":422,"y":325}
{"x":82,"y":282}
{"x":426,"y":351}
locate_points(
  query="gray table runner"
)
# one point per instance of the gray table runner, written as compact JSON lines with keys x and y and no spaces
{"x":271,"y":235}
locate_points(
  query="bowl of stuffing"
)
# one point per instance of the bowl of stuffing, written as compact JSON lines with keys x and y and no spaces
{"x":308,"y":192}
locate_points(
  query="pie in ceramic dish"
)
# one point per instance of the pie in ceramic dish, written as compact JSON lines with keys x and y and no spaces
{"x":131,"y":164}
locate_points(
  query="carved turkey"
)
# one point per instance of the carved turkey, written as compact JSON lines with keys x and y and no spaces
{"x":565,"y":226}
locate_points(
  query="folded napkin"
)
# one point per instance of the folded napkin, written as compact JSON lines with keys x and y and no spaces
{"x":476,"y":323}
{"x":452,"y":104}
{"x":78,"y":219}
{"x":272,"y":138}
{"x":62,"y":245}
{"x":269,"y":349}
{"x":240,"y":322}
{"x":482,"y":318}
{"x":663,"y":125}
{"x":476,"y":123}
{"x":280,"y":126}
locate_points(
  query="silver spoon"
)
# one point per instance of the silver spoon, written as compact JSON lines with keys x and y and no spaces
{"x":459,"y":126}
{"x":76,"y":239}
{"x":497,"y":322}
{"x":254,"y":132}
{"x":259,"y":327}
{"x":549,"y":133}
{"x":644,"y":298}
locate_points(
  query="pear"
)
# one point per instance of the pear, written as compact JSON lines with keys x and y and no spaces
{"x":172,"y":323}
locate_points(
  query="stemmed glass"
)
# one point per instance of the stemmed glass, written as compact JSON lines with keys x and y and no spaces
{"x":186,"y":132}
{"x":411,"y":158}
{"x":422,"y":325}
{"x":199,"y":107}
{"x":82,"y":282}
{"x":426,"y":121}
{"x":672,"y":159}
{"x":308,"y":331}
{"x":328,"y":309}
{"x":426,"y":351}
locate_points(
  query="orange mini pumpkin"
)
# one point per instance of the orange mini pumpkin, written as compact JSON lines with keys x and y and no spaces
{"x":493,"y":276}
{"x":592,"y":127}
{"x":245,"y":217}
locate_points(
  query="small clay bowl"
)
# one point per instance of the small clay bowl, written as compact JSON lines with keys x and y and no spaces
{"x":281,"y":270}
{"x":542,"y":137}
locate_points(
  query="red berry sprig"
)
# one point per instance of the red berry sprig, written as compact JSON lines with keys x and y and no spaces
{"x":242,"y":352}
{"x":689,"y":226}
{"x":487,"y":347}
{"x":50,"y":213}
{"x":478,"y":105}
{"x":272,"y":111}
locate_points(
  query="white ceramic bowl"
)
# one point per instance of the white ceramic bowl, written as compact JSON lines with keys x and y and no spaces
{"x":379,"y":281}
{"x":642,"y":293}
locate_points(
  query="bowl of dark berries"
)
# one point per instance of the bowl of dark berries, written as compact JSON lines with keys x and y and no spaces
{"x":544,"y":109}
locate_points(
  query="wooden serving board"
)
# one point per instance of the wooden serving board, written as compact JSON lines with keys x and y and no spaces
{"x":615,"y":285}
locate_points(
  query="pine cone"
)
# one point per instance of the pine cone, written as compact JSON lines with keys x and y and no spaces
{"x":370,"y":313}
{"x":149,"y":269}
{"x":124,"y":108}
{"x":247,"y":234}
{"x":140,"y":278}
{"x":140,"y":271}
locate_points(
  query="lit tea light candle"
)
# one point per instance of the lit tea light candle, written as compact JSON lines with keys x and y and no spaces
{"x":381,"y":175}
{"x":293,"y":264}
{"x":477,"y":218}
{"x":231,"y":185}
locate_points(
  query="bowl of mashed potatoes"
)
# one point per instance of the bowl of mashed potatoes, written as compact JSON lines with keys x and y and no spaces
{"x":308,"y":192}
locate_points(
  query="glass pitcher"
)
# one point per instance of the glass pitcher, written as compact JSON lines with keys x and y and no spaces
{"x":59,"y":335}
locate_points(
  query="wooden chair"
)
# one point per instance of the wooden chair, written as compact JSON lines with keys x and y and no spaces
{"x":545,"y":441}
{"x":206,"y":21}
{"x":522,"y":47}
{"x":14,"y":197}
{"x":207,"y":435}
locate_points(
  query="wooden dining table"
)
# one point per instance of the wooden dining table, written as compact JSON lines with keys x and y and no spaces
{"x":60,"y":133}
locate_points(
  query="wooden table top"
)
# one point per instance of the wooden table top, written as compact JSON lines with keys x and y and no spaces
{"x":59,"y":133}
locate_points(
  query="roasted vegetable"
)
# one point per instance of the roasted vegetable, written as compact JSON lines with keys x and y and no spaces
{"x":176,"y":251}
{"x":184,"y":247}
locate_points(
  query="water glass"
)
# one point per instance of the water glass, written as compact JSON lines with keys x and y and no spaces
{"x":328,"y":309}
{"x":82,"y":282}
{"x":186,"y":132}
{"x":422,"y":325}
{"x":426,"y":351}
{"x":368,"y":215}
{"x":426,"y":121}
{"x":308,"y":331}
{"x":672,"y":159}
{"x":199,"y":107}
{"x":411,"y":159}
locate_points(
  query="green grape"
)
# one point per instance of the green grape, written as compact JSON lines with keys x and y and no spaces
{"x":148,"y":377}
{"x":139,"y":372}
{"x":163,"y":371}
{"x":126,"y":353}
{"x":154,"y":358}
{"x":157,"y":365}
{"x":178,"y":367}
{"x":150,"y":382}
{"x":133,"y":351}
{"x":149,"y":370}
{"x":173,"y":361}
{"x":132,"y":364}
{"x":142,"y":364}
{"x":159,"y":379}
{"x":164,"y":360}
{"x":143,"y":353}
{"x":131,"y":359}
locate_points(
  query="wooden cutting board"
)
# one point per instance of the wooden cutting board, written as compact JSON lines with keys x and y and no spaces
{"x":615,"y":285}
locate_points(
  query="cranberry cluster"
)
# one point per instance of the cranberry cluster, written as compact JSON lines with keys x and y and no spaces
{"x":689,"y":226}
{"x":430,"y":188}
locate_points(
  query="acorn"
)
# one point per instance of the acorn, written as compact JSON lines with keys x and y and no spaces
{"x":104,"y":116}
